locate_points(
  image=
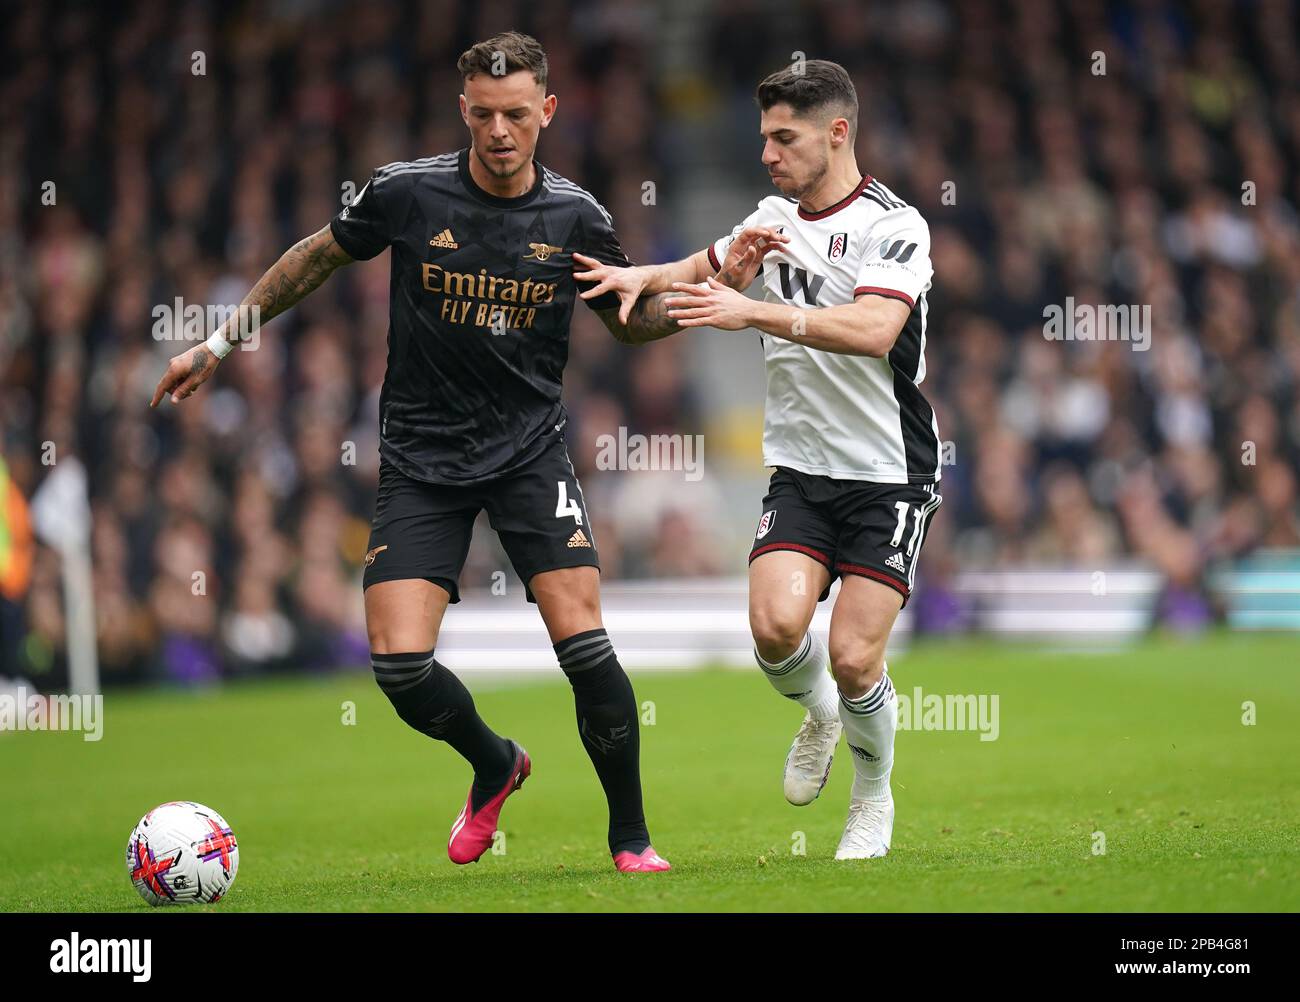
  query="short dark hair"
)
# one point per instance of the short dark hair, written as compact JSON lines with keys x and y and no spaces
{"x":813,"y":86}
{"x":504,"y":54}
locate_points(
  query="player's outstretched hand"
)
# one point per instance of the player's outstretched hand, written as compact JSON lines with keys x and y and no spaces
{"x":745,"y":255}
{"x":185,"y":373}
{"x":627,"y":282}
{"x":710,"y":304}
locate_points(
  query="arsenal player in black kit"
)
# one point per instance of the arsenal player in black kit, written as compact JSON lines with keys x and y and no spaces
{"x":485,"y":243}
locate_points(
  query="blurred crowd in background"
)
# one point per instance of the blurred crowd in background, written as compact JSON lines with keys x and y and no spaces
{"x":1170,"y":178}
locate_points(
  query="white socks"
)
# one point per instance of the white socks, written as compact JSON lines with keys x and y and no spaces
{"x":869,"y":725}
{"x":869,"y":721}
{"x":803,"y":677}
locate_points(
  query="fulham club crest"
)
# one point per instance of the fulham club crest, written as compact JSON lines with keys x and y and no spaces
{"x":765,"y":523}
{"x":838,"y":245}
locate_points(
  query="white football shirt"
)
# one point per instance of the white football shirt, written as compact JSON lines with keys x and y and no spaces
{"x":849,"y":417}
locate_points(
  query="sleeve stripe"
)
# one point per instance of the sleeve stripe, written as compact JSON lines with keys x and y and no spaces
{"x":713,"y":259}
{"x":559,"y":185}
{"x":872,"y":290}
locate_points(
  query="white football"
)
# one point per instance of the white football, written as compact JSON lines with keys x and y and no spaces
{"x":182,"y":852}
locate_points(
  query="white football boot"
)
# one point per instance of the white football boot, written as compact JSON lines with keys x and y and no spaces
{"x":868,"y":830}
{"x":809,"y":761}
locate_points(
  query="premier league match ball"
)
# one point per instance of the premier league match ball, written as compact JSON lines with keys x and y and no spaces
{"x":180,"y":853}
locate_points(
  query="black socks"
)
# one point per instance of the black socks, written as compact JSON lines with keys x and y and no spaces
{"x":607,"y":722}
{"x":435,"y":702}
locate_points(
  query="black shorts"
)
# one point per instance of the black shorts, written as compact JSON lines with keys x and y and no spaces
{"x":423,"y":530}
{"x":849,"y":526}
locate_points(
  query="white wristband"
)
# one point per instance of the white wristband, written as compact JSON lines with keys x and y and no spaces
{"x":218,"y":345}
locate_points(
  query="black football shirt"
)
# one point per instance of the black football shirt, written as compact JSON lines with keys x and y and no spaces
{"x":481,"y":295}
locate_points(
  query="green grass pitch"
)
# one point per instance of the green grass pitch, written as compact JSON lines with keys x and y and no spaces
{"x":1148,"y":746}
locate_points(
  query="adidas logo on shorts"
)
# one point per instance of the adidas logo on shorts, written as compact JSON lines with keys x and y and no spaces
{"x":896,"y":562}
{"x":578,"y":539}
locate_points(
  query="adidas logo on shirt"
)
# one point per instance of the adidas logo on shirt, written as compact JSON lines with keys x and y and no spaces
{"x":444,"y":239}
{"x":896,"y":562}
{"x":578,"y":539}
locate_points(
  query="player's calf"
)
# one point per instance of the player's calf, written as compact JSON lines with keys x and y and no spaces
{"x":869,"y":722}
{"x":608,"y":724}
{"x":868,"y":711}
{"x":802,"y":677}
{"x":783,"y":590}
{"x":860,"y":625}
{"x":433,"y":701}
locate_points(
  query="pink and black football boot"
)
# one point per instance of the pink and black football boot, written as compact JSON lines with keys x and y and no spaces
{"x":645,"y":861}
{"x":471,"y":834}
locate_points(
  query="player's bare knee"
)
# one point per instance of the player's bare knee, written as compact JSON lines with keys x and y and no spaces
{"x":403,"y":617}
{"x":380,"y":632}
{"x":569,"y":601}
{"x":857,"y":667}
{"x":776,"y":636}
{"x":391,"y":634}
{"x":381,"y":641}
{"x":585,"y":607}
{"x":386,"y":640}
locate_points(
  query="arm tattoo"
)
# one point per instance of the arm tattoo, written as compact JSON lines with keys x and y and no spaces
{"x":648,"y":321}
{"x":300,"y":270}
{"x":731,"y":276}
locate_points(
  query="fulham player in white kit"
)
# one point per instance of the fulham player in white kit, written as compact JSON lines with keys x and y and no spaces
{"x":845,"y":266}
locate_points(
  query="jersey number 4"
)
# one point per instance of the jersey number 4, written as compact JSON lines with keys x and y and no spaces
{"x":566,"y":506}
